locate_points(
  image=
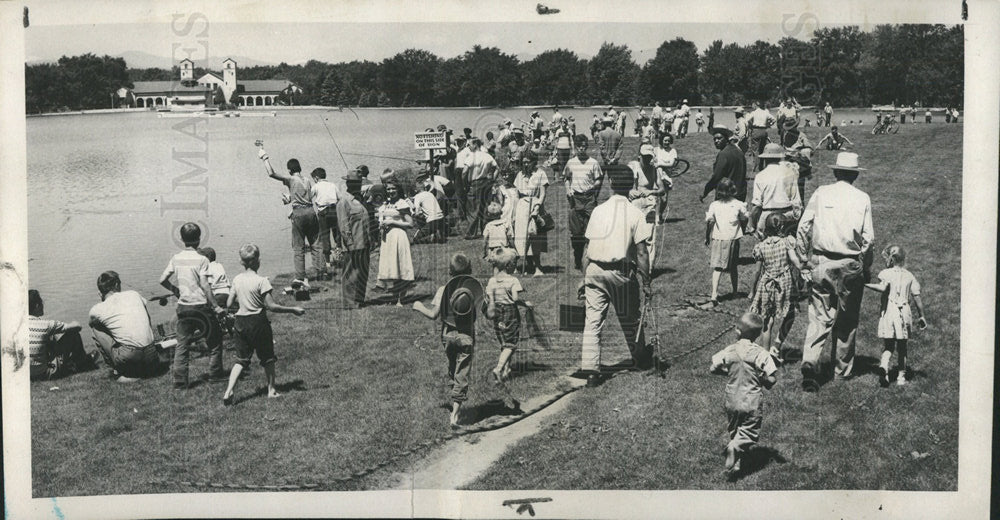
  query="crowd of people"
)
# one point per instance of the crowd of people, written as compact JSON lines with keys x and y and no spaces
{"x":496,"y":188}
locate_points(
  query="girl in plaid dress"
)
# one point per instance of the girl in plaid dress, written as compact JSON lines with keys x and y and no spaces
{"x":774,"y":292}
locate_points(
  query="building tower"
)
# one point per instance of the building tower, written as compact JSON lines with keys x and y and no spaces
{"x":187,"y":70}
{"x":228,"y":78}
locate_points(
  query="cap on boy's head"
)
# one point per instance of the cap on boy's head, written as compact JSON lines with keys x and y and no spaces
{"x":459,"y":265}
{"x":318,"y":173}
{"x":108,"y":281}
{"x":207,"y":252}
{"x":493,"y":211}
{"x":750,"y":325}
{"x":293,"y":166}
{"x":249,"y":253}
{"x":190,"y":233}
{"x":34,"y":302}
{"x":504,"y":257}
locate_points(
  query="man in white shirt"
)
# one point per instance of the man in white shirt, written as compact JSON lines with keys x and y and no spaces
{"x":325,"y":195}
{"x":685,"y":118}
{"x":584,"y":177}
{"x":759,"y":121}
{"x":657,"y":117}
{"x":122,"y":330}
{"x":741,"y":131}
{"x":828,"y":113}
{"x":775,"y":190}
{"x":461,"y":186}
{"x":835,"y":234}
{"x":479,"y":171}
{"x":615,"y":262}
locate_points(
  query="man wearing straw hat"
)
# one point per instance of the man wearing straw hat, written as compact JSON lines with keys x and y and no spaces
{"x":729,"y":163}
{"x":616,"y":259}
{"x":775,"y":190}
{"x":835,"y":236}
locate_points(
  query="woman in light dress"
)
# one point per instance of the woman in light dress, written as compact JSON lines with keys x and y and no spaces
{"x":395,"y":264}
{"x":529,"y":243}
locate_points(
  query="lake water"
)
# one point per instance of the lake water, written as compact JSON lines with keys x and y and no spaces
{"x":109,"y":191}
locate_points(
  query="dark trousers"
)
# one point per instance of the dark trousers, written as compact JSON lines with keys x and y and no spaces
{"x":327,"y":225}
{"x":356,"y":265}
{"x":581,"y":205}
{"x":431,"y":231}
{"x":67,"y":357}
{"x":478,"y":199}
{"x":195,"y":323}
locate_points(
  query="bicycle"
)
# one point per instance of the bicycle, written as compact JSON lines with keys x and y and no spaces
{"x":887,"y":125}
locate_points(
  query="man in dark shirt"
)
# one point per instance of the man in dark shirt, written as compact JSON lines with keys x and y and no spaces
{"x":729,"y":163}
{"x":610,"y":143}
{"x":355,"y":231}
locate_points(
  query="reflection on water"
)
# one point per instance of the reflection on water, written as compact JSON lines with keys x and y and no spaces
{"x":100,"y":186}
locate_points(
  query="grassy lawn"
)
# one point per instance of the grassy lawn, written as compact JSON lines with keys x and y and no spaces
{"x":651,"y":433}
{"x":361,"y":386}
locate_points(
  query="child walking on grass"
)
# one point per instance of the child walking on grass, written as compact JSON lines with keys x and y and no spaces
{"x":455,"y":303}
{"x":503,"y":292}
{"x":497,"y":233}
{"x":774,"y":292}
{"x":897,"y":286}
{"x":750,"y":369}
{"x":724,"y":222}
{"x":253,"y":328}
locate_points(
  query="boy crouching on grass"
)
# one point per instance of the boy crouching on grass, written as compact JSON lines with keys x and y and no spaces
{"x":253,"y":329}
{"x":750,"y":367}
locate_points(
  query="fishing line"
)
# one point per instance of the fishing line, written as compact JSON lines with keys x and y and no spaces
{"x":323,"y":120}
{"x":382,"y":157}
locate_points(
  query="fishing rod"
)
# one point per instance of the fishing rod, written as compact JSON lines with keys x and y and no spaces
{"x":321,"y":118}
{"x":385,"y":157}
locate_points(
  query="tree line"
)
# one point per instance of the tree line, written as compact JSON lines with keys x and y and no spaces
{"x":901,"y":64}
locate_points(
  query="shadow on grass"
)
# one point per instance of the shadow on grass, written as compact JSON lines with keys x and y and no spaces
{"x":672,"y":220}
{"x":657,"y":271}
{"x":389,"y":299}
{"x":738,"y":295}
{"x":757,"y":459}
{"x":297,"y":385}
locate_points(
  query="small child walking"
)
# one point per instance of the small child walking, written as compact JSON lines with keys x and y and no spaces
{"x":724,"y":222}
{"x":455,"y":303}
{"x":497,"y":233}
{"x":750,"y":369}
{"x":253,"y":329}
{"x":773,"y":296}
{"x":503,"y":292}
{"x":897,"y":286}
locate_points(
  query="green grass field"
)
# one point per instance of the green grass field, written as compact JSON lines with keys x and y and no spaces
{"x":362,"y":386}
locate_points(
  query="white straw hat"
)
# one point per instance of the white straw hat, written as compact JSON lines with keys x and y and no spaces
{"x":847,"y":161}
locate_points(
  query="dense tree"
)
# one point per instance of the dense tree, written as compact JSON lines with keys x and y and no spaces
{"x":409,"y":74}
{"x":554,"y":77}
{"x":612,"y":75}
{"x":900,"y":64}
{"x":672,"y":74}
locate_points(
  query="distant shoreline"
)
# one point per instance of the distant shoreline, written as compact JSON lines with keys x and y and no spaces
{"x":328,"y":108}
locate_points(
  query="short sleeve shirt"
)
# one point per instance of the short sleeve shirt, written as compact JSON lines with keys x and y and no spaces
{"x":324,"y":194}
{"x":497,"y":233}
{"x":726,"y":215}
{"x":583,"y":176}
{"x":124,"y":316}
{"x":41,"y":333}
{"x":300,"y":190}
{"x":902,"y":285}
{"x":502,"y":286}
{"x":217,"y":278}
{"x":426,"y":205}
{"x":748,"y":365}
{"x":189,"y":266}
{"x":480,"y":165}
{"x":615,"y":228}
{"x":250,"y":289}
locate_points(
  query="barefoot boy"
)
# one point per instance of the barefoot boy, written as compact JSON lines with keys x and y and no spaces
{"x":750,"y":367}
{"x":456,"y":303}
{"x":253,"y":329}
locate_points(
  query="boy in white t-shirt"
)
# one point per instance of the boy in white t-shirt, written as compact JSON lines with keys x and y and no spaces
{"x":428,"y":212}
{"x":197,"y":310}
{"x":503,"y":294}
{"x":253,"y":328}
{"x":217,"y":278}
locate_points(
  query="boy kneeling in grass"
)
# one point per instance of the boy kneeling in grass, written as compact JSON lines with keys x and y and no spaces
{"x":750,"y":367}
{"x":253,"y":329}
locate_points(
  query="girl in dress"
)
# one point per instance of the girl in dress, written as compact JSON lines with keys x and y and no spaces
{"x":774,"y":293}
{"x":506,"y":194}
{"x":530,"y":243}
{"x":897,"y":286}
{"x":724,"y":220}
{"x":395,"y":264}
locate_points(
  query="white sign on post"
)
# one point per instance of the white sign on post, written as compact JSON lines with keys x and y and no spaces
{"x":429,"y":140}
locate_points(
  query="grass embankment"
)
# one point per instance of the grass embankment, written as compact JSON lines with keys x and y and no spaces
{"x":651,"y":433}
{"x":360,"y":386}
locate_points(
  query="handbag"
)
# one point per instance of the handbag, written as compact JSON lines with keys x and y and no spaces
{"x":544,"y":221}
